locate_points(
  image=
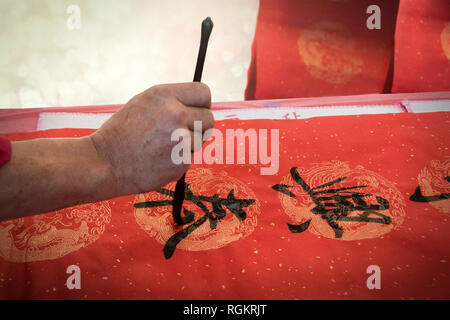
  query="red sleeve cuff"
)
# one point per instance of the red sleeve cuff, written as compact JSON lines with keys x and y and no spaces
{"x":5,"y":151}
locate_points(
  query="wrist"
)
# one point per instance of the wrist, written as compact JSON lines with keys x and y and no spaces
{"x":99,"y":175}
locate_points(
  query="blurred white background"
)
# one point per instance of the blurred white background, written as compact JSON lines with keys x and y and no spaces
{"x":121,"y":48}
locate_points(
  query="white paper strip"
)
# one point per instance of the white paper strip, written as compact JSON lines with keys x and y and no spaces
{"x":427,"y":106}
{"x":56,"y":120}
{"x":59,"y":120}
{"x":303,"y":113}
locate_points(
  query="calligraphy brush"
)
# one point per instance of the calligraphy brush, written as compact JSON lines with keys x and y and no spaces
{"x":178,"y":197}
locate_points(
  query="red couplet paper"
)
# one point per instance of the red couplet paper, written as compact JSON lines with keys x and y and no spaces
{"x":308,"y":48}
{"x":422,"y":46}
{"x":358,"y":209}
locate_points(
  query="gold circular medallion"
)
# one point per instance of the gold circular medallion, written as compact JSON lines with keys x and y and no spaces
{"x":54,"y":234}
{"x":214,"y":199}
{"x":329,"y":53}
{"x":434,"y":181}
{"x":336,"y":201}
{"x":445,"y":40}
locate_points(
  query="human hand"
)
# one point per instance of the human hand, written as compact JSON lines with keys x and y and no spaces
{"x":135,"y":142}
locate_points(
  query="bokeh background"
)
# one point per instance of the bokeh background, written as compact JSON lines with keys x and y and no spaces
{"x":121,"y":48}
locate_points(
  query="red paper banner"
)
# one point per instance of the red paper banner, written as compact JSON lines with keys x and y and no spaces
{"x":352,"y":193}
{"x":422,"y":46}
{"x":319,"y":48}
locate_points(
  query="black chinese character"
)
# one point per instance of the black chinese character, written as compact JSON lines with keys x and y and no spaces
{"x":218,"y":212}
{"x":418,"y":197}
{"x":334,"y":205}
